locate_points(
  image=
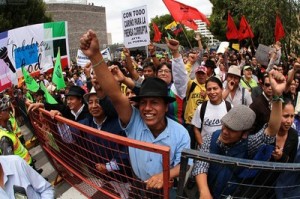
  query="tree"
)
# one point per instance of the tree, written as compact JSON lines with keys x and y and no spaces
{"x":163,"y":21}
{"x":261,"y":16}
{"x":14,"y":16}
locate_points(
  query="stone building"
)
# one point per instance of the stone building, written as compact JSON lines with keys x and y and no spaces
{"x":80,"y":18}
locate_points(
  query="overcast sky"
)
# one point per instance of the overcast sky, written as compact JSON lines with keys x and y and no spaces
{"x":114,"y":9}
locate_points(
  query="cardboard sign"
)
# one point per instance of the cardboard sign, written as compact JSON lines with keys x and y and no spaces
{"x":262,"y":54}
{"x":135,"y":27}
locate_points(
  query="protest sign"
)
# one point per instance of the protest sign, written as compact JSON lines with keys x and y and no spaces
{"x":135,"y":27}
{"x":82,"y":59}
{"x":33,"y":47}
{"x":223,"y":46}
{"x":262,"y":54}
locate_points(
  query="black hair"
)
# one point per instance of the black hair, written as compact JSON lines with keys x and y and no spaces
{"x":215,"y":80}
{"x":287,"y":101}
{"x":149,"y":65}
{"x":210,"y":63}
{"x":264,"y":76}
{"x":164,"y":64}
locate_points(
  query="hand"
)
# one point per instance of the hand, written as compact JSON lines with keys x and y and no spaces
{"x":278,"y":82}
{"x":34,"y":106}
{"x":95,"y":83}
{"x":197,"y":37}
{"x":230,"y":85}
{"x":296,"y":66}
{"x":172,"y":44}
{"x":126,"y":52}
{"x":203,"y":94}
{"x":53,"y":113}
{"x":101,"y":168}
{"x":277,"y":153}
{"x":87,"y":69}
{"x":89,"y":44}
{"x":155,"y":182}
{"x":205,"y":195}
{"x":151,"y":49}
{"x":117,"y":73}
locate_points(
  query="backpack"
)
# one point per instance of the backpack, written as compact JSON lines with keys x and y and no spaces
{"x":203,"y":109}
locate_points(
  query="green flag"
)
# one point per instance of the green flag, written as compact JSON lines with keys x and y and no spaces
{"x":168,"y":51}
{"x":57,"y":76}
{"x":169,"y":36}
{"x":48,"y":97}
{"x":31,"y":84}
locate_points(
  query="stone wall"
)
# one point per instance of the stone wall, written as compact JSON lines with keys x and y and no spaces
{"x":80,"y":18}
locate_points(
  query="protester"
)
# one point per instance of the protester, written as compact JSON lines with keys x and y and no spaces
{"x":9,"y":141}
{"x":110,"y":156}
{"x":247,"y":81}
{"x":207,"y":117}
{"x":176,"y":78}
{"x":233,"y":92}
{"x":195,"y":95}
{"x":262,"y":105}
{"x":19,"y":180}
{"x":232,"y":141}
{"x":148,"y":123}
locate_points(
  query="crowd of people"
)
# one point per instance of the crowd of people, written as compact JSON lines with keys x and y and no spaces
{"x":225,"y":103}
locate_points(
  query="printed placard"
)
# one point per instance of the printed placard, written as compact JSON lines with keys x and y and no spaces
{"x":135,"y":27}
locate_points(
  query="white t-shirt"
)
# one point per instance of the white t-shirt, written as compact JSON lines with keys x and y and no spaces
{"x":212,"y":117}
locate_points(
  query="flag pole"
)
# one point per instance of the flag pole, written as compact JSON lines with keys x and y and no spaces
{"x":186,"y":36}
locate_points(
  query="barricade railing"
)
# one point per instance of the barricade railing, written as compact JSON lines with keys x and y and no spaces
{"x":80,"y":155}
{"x":246,"y":178}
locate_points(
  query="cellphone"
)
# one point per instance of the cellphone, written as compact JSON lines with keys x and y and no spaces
{"x":20,"y":192}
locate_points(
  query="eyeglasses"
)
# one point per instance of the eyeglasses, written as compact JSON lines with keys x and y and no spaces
{"x":267,"y":84}
{"x":164,"y":71}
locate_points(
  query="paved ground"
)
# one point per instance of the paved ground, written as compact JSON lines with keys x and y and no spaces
{"x":62,"y":190}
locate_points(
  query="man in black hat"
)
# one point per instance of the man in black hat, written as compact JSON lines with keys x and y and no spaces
{"x":75,"y":109}
{"x":147,"y":123}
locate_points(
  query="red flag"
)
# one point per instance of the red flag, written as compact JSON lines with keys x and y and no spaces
{"x":245,"y":29}
{"x":279,"y":30}
{"x":232,"y":32}
{"x":157,"y":33}
{"x":185,"y":14}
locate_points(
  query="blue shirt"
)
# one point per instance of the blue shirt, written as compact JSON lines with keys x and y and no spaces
{"x":146,"y":164}
{"x":18,"y":172}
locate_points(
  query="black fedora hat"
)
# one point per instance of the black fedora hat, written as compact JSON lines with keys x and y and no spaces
{"x":154,"y":87}
{"x":75,"y":91}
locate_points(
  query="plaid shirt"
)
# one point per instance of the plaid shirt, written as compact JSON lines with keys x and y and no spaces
{"x":254,"y":142}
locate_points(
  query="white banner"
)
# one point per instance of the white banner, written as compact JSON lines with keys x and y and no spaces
{"x":82,"y":60}
{"x":33,"y":47}
{"x":135,"y":27}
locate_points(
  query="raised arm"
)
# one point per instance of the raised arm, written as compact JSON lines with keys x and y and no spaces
{"x":134,"y":74}
{"x":89,"y":45}
{"x":278,"y":84}
{"x":180,"y":77}
{"x":152,"y":52}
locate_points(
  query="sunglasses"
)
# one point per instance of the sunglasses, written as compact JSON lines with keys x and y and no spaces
{"x":267,"y":84}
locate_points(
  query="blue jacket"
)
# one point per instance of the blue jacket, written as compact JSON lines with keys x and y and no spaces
{"x":218,"y":175}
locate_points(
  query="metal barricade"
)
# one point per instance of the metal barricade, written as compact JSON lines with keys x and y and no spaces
{"x":248,"y":178}
{"x":75,"y":149}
